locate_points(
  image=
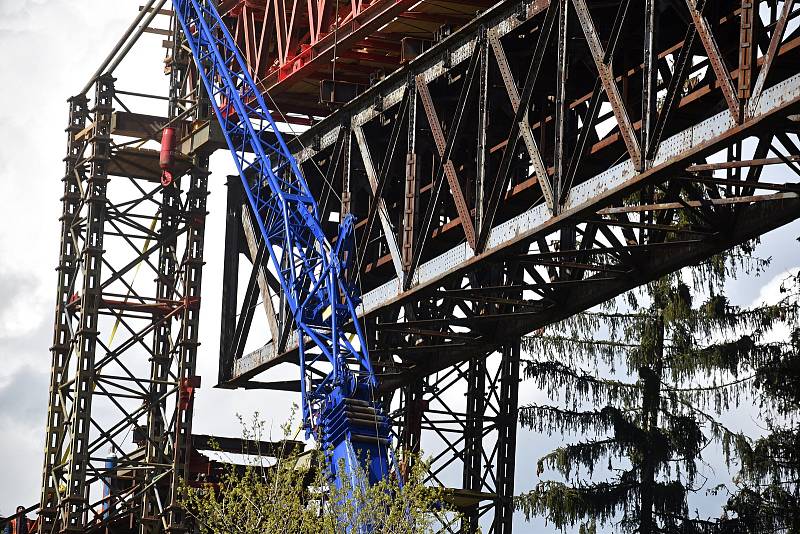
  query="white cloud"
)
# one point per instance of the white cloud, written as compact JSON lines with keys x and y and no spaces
{"x":770,"y":292}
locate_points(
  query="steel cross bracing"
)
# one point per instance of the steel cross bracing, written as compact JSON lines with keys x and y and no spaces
{"x":589,"y":147}
{"x":337,"y":382}
{"x":310,"y":55}
{"x":471,"y":446}
{"x":124,"y":353}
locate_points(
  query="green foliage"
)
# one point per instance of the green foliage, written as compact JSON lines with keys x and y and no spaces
{"x":293,"y":494}
{"x":643,"y":389}
{"x":566,"y":505}
{"x":647,"y":410}
{"x":767,"y":497}
{"x":761,"y":510}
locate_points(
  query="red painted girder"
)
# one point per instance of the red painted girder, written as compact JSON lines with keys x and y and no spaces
{"x":364,"y":24}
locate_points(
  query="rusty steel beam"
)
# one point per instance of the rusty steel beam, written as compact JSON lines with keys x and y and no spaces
{"x":609,"y":84}
{"x":746,"y":49}
{"x":737,"y":164}
{"x":715,"y":58}
{"x":444,"y":147}
{"x":535,"y":155}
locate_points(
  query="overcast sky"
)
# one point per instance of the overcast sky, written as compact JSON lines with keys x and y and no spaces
{"x":48,"y":50}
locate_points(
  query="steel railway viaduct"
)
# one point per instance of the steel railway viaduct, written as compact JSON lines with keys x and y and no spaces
{"x":509,"y":164}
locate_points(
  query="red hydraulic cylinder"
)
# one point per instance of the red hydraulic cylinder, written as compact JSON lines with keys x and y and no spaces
{"x":166,"y":159}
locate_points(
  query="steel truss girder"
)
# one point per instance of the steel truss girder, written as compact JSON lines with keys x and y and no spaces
{"x":594,"y":182}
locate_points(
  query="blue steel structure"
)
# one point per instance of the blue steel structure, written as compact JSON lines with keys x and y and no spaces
{"x":316,"y":276}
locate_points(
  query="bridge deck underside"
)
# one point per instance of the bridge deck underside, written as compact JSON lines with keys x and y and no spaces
{"x":586,"y":150}
{"x":292,"y":48}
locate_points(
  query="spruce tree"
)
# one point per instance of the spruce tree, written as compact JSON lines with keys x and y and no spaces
{"x":767,"y":497}
{"x":647,"y":393}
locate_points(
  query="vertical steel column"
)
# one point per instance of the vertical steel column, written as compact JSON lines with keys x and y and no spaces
{"x":507,"y":438}
{"x":166,"y":290}
{"x":187,"y":342}
{"x":483,"y":123}
{"x":473,"y":436}
{"x":413,"y":408}
{"x":160,"y":360}
{"x":649,"y":79}
{"x":559,"y":163}
{"x":747,"y":18}
{"x":230,"y":270}
{"x":346,"y":171}
{"x":62,"y":334}
{"x":410,"y":203}
{"x":77,"y":490}
{"x":562,"y":109}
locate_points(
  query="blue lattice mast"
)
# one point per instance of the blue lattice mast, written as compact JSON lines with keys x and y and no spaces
{"x":313,"y":273}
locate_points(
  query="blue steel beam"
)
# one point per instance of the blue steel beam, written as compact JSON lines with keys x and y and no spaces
{"x":340,"y":409}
